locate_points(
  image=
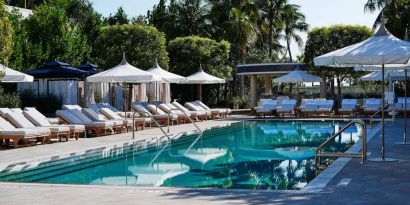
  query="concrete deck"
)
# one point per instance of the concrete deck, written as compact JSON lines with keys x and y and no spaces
{"x":373,"y":183}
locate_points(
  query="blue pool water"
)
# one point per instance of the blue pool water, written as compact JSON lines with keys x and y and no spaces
{"x":246,"y":155}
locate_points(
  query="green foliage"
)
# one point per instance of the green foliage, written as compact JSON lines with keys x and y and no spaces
{"x":10,"y":100}
{"x":327,"y":39}
{"x":396,"y":12}
{"x":50,"y":36}
{"x":118,"y":19}
{"x":46,"y":103}
{"x":6,"y":36}
{"x":187,"y":53}
{"x":142,"y":44}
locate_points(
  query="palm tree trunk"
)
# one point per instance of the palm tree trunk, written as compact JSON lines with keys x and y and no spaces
{"x":290,"y":53}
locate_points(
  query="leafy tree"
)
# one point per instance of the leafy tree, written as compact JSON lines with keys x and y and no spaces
{"x":396,"y":12}
{"x":118,"y":19}
{"x":187,"y":53}
{"x":142,"y":44}
{"x":293,"y":23}
{"x":19,"y":35}
{"x":327,"y":39}
{"x":50,"y":36}
{"x":6,"y":36}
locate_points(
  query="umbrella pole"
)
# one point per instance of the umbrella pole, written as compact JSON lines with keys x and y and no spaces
{"x":405,"y":107}
{"x":199,"y":92}
{"x":383,"y":159}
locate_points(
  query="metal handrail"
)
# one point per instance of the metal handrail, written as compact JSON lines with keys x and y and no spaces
{"x":376,"y":113}
{"x":190,"y":120}
{"x":152,"y":118}
{"x":363,"y":154}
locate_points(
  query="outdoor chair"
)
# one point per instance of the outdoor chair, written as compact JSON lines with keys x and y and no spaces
{"x":76,"y":117}
{"x":286,"y":107}
{"x":161,"y":119}
{"x":195,"y":107}
{"x":57,"y":133}
{"x":119,"y":125}
{"x":324,"y":107}
{"x":348,"y":107}
{"x":181,"y":116}
{"x":40,"y":120}
{"x":267,"y":107}
{"x":371,"y":105}
{"x":53,"y":121}
{"x":21,"y":136}
{"x":223,"y":111}
{"x":139,"y":122}
{"x":200,"y":115}
{"x":119,"y":112}
{"x":157,"y":111}
{"x":400,"y":104}
{"x":308,"y":107}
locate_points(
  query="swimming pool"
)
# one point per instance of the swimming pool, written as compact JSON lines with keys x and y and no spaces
{"x":245,"y":155}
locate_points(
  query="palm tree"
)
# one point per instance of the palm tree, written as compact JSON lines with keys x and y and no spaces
{"x":293,"y":23}
{"x":395,"y":11}
{"x":242,"y":30}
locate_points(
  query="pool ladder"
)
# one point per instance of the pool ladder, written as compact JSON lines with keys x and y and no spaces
{"x":320,"y":154}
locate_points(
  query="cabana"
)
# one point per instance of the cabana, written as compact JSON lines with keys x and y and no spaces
{"x":201,"y":77}
{"x":297,"y":76}
{"x":58,"y":78}
{"x":162,"y":91}
{"x":267,"y":71}
{"x":13,"y":76}
{"x":124,"y":73}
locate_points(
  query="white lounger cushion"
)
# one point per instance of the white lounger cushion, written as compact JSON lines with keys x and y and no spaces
{"x":185,"y":110}
{"x":195,"y":107}
{"x":87,"y":121}
{"x":174,"y":111}
{"x":156,"y":110}
{"x":20,"y":121}
{"x":227,"y":110}
{"x":3,"y":111}
{"x":41,"y":120}
{"x":99,"y":117}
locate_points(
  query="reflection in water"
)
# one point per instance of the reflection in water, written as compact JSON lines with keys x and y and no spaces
{"x":262,"y":155}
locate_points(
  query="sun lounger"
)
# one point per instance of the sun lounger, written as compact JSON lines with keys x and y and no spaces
{"x":39,"y":119}
{"x":53,"y":121}
{"x":308,"y":106}
{"x":400,"y":104}
{"x":19,"y":121}
{"x":182,"y":117}
{"x":324,"y":107}
{"x":77,"y":117}
{"x":267,"y":107}
{"x":112,"y":108}
{"x":22,"y":136}
{"x":159,"y":112}
{"x":3,"y":111}
{"x":202,"y":115}
{"x":72,"y":107}
{"x":119,"y":125}
{"x":371,"y":105}
{"x":286,"y":107}
{"x":223,"y":111}
{"x":161,"y":119}
{"x":139,"y":122}
{"x":196,"y":107}
{"x":348,"y":107}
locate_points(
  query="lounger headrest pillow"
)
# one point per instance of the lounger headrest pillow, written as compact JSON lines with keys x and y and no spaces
{"x":110,"y":113}
{"x":36,"y":119}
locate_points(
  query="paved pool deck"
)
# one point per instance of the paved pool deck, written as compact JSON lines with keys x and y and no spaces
{"x":373,"y":183}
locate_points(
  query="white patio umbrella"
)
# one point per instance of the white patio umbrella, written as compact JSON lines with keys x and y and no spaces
{"x":389,"y":75}
{"x":297,"y":76}
{"x":381,"y":49}
{"x":201,"y":77}
{"x":13,"y":76}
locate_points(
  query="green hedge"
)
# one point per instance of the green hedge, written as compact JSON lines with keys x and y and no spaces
{"x":187,"y":53}
{"x":142,"y":44}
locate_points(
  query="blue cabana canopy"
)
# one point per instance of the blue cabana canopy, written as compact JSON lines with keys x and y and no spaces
{"x":89,"y":67}
{"x":57,"y":69}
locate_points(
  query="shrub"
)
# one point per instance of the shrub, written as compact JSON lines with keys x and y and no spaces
{"x":10,"y":100}
{"x":45,"y":103}
{"x":142,"y":44}
{"x":187,"y":53}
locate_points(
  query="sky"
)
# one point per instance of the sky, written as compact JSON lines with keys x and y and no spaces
{"x":318,"y":12}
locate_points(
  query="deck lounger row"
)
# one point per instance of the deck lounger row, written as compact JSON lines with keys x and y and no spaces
{"x":214,"y":113}
{"x":348,"y":107}
{"x":316,"y":107}
{"x":182,"y":117}
{"x":139,"y":122}
{"x":200,"y":115}
{"x":77,"y":117}
{"x":22,"y":136}
{"x":286,"y":107}
{"x":160,"y":118}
